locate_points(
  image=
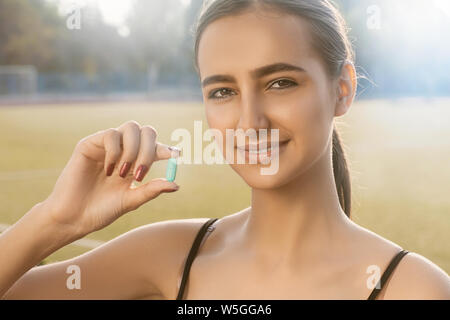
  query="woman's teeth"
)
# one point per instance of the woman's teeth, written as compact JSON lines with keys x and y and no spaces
{"x":260,"y":151}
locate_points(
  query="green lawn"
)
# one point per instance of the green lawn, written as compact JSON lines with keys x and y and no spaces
{"x":398,"y":154}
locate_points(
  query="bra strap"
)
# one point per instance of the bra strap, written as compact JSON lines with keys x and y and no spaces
{"x":192,"y":254}
{"x":394,"y":262}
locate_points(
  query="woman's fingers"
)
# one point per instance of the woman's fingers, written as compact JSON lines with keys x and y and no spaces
{"x":131,"y":137}
{"x":164,"y":152}
{"x":147,"y":152}
{"x":112,"y":140}
{"x":128,"y":146}
{"x":151,"y":151}
{"x":134,"y":198}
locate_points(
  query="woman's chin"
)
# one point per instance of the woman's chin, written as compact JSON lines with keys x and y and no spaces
{"x":253,"y":177}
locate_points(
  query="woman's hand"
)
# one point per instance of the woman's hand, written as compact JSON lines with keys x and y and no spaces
{"x":95,"y":187}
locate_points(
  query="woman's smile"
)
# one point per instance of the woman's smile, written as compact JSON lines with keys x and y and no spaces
{"x":262,"y":152}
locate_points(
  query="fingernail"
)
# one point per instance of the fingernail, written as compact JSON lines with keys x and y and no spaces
{"x":124,"y":170}
{"x":175,"y":152}
{"x":140,"y":173}
{"x":110,"y":169}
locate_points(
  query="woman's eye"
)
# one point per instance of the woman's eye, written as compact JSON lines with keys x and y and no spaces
{"x":222,"y":91}
{"x":285,"y":81}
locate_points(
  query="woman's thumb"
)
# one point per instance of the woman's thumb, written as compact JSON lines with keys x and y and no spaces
{"x":135,"y":197}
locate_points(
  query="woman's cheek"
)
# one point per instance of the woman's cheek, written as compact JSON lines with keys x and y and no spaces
{"x":212,"y":116}
{"x":219,"y":122}
{"x":310,"y":124}
{"x":223,"y":114}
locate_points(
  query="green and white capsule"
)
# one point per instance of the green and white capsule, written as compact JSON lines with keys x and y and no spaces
{"x":171,"y":170}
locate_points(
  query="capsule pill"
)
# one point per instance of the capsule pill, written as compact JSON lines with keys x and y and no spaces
{"x":171,"y":169}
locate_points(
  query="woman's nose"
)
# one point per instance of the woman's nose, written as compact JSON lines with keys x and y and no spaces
{"x":252,"y":115}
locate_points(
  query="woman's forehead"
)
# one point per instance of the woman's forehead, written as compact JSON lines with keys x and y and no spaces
{"x":250,"y":40}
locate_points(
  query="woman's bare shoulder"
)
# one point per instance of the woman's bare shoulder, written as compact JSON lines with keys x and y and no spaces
{"x":161,"y":249}
{"x":167,"y":244}
{"x":415,"y":276}
{"x":418,"y":278}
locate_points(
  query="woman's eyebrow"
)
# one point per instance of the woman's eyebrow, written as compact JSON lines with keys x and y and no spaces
{"x":255,"y":74}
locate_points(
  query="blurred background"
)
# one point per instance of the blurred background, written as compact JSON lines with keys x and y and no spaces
{"x":69,"y":68}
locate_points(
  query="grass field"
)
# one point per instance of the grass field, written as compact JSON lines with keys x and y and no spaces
{"x":398,"y":153}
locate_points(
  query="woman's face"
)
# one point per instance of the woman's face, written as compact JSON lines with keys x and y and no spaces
{"x":300,"y":103}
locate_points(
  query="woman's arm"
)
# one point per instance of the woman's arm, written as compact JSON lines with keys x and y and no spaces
{"x":29,"y":241}
{"x":143,"y":263}
{"x":93,"y":190}
{"x":122,"y":268}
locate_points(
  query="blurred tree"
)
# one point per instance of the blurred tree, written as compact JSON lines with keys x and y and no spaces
{"x":27,"y":30}
{"x":187,"y":45}
{"x":156,"y":32}
{"x":95,"y":47}
{"x":407,"y":55}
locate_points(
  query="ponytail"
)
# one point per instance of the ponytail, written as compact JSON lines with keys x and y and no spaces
{"x":341,"y":174}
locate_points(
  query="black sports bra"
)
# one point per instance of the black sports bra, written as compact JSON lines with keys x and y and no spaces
{"x":206,"y":227}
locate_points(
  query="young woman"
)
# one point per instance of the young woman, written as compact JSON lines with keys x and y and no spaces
{"x":285,"y":65}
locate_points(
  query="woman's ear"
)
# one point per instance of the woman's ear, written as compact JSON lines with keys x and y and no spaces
{"x":346,"y":89}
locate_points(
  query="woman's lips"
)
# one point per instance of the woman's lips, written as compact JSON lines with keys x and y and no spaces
{"x":261,"y":157}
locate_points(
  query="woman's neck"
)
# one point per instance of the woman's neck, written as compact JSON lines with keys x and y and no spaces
{"x":300,"y":220}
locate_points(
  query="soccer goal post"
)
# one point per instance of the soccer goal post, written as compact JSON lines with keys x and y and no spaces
{"x":18,"y":80}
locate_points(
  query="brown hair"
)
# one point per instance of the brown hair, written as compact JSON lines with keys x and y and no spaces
{"x":330,"y":41}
